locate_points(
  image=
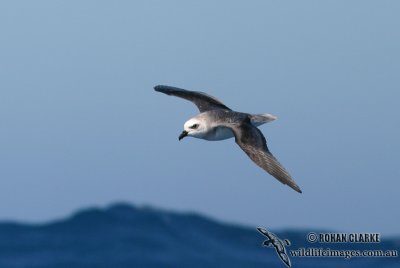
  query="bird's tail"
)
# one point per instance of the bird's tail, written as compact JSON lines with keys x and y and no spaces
{"x":259,"y":119}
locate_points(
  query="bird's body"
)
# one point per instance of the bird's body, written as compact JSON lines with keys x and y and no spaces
{"x":218,"y":134}
{"x":215,"y":131}
{"x":212,"y":121}
{"x":218,"y":122}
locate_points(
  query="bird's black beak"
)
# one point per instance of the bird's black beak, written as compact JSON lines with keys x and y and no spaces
{"x":183,"y":134}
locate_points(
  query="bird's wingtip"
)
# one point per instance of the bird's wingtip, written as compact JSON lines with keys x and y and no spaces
{"x":157,"y":88}
{"x":296,"y":188}
{"x":164,"y":89}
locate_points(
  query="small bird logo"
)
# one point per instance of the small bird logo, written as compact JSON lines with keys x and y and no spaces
{"x":278,"y":244}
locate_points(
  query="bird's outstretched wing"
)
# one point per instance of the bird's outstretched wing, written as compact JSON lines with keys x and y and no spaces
{"x":203,"y":101}
{"x":266,"y":233}
{"x":253,"y":143}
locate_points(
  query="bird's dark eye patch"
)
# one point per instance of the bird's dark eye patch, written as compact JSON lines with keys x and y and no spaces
{"x":194,"y":126}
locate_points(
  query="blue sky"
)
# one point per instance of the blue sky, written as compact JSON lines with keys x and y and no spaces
{"x":80,"y":124}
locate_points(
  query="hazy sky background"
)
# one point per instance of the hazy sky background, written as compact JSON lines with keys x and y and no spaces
{"x":80,"y":124}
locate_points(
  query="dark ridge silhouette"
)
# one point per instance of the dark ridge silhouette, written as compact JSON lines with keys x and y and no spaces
{"x":127,"y":236}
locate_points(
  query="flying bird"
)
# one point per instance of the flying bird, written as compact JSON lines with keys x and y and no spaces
{"x":218,"y":122}
{"x":278,"y":244}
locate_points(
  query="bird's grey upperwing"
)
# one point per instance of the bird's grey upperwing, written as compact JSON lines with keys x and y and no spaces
{"x":284,"y":257}
{"x":266,"y":233}
{"x":253,"y":143}
{"x":203,"y":101}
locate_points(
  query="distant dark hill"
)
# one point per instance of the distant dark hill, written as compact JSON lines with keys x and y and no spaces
{"x":126,"y":236}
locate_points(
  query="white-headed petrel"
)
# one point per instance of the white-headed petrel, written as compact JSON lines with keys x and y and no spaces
{"x":218,"y":122}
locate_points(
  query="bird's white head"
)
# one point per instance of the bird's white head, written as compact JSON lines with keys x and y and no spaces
{"x":194,"y":127}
